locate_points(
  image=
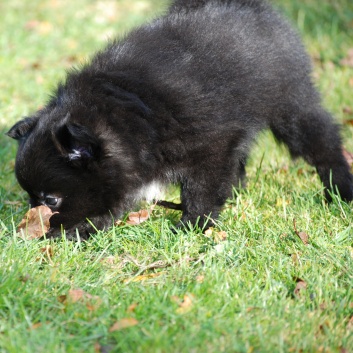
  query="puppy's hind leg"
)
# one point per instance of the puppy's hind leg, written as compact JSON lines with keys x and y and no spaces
{"x":313,"y":135}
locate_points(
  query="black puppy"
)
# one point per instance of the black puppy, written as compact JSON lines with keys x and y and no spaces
{"x":177,"y":101}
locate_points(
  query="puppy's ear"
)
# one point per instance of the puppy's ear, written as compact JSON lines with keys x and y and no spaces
{"x":22,"y":129}
{"x":77,"y":144}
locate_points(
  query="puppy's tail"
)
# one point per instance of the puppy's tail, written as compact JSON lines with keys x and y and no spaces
{"x":187,"y":5}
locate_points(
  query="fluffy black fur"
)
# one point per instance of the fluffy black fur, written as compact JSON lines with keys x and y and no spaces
{"x":178,"y":100}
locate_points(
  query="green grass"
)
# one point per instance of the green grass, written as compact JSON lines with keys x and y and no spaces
{"x":242,"y":289}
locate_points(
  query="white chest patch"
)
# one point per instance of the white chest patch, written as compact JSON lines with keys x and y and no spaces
{"x":150,"y":192}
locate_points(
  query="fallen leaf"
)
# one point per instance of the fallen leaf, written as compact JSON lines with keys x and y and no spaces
{"x":123,"y":323}
{"x":100,"y":348}
{"x":92,"y":302}
{"x":35,"y":223}
{"x":109,"y":260}
{"x":216,"y":236}
{"x":135,"y":218}
{"x":208,"y":232}
{"x":221,"y":236}
{"x":323,"y":306}
{"x":35,"y":326}
{"x":132,"y":307}
{"x":47,"y":254}
{"x":284,"y":169}
{"x":48,"y":250}
{"x":295,"y":258}
{"x":348,"y":156}
{"x":350,"y":324}
{"x":62,"y":298}
{"x":97,"y":347}
{"x":185,"y":305}
{"x":76,"y":295}
{"x":348,"y":110}
{"x":301,"y":285}
{"x":24,"y":278}
{"x":348,"y":122}
{"x":200,"y":278}
{"x":348,"y":60}
{"x":302,"y":235}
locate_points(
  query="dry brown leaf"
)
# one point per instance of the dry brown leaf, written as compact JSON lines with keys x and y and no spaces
{"x":123,"y":323}
{"x":221,"y":236}
{"x":109,"y":260}
{"x":75,"y":295}
{"x":348,"y":60}
{"x":25,"y":278}
{"x":62,"y":298}
{"x":302,"y":235}
{"x":300,"y":171}
{"x":301,"y":285}
{"x":295,"y":258}
{"x":48,"y":250}
{"x":185,"y":305}
{"x":46,"y":255}
{"x":284,"y":169}
{"x":348,"y":122}
{"x":35,"y":326}
{"x":347,"y":110}
{"x":208,"y":232}
{"x":200,"y":278}
{"x":216,"y":236}
{"x":131,"y":308}
{"x":348,"y":156}
{"x":92,"y":302}
{"x":35,"y":223}
{"x":350,"y":324}
{"x":97,"y":347}
{"x":135,"y":218}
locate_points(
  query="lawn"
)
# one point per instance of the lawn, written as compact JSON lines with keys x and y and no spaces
{"x":274,"y":275}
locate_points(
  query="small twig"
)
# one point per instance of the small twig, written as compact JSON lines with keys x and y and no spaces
{"x":170,"y":205}
{"x":156,"y":264}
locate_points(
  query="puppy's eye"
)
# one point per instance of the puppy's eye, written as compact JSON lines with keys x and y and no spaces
{"x":51,"y":201}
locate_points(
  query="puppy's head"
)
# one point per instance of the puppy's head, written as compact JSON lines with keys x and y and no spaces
{"x":58,"y":165}
{"x":75,"y":155}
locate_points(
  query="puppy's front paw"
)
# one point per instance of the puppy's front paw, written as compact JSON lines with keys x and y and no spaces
{"x":201,"y":224}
